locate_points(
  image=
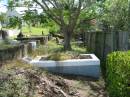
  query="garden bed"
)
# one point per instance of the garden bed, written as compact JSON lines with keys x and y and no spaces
{"x":61,"y":57}
{"x":88,"y":66}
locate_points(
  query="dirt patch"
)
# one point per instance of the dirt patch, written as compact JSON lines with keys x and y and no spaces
{"x":86,"y":86}
{"x":48,"y":86}
{"x":30,"y":82}
{"x":56,"y":86}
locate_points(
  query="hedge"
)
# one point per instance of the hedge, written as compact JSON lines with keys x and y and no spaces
{"x":118,"y":74}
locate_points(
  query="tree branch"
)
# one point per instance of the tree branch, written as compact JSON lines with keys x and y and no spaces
{"x":48,"y":13}
{"x":74,"y":18}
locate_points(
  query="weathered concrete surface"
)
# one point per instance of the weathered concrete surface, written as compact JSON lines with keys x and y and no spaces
{"x":84,"y":67}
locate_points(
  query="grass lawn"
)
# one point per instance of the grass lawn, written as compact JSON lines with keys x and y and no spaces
{"x":35,"y":31}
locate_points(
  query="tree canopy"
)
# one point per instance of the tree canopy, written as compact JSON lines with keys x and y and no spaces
{"x":115,"y":12}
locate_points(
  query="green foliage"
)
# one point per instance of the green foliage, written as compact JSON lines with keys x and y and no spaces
{"x":46,"y":22}
{"x":43,"y":18}
{"x":87,"y":15}
{"x":51,"y":25}
{"x":31,"y":17}
{"x":118,"y":74}
{"x":14,"y":22}
{"x":53,"y":29}
{"x":115,"y":12}
{"x":11,"y":4}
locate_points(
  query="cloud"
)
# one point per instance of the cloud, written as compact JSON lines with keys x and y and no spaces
{"x":3,"y":9}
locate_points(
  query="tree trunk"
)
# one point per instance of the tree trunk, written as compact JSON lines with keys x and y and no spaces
{"x":67,"y":38}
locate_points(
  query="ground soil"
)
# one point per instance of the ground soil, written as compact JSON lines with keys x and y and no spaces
{"x":52,"y":85}
{"x":44,"y":84}
{"x":86,"y":86}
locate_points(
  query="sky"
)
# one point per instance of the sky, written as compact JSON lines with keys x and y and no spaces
{"x":4,"y":9}
{"x":2,"y":6}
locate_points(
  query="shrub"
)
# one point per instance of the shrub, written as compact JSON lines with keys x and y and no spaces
{"x":118,"y":74}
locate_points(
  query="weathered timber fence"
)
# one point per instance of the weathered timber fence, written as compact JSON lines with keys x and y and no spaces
{"x":101,"y":43}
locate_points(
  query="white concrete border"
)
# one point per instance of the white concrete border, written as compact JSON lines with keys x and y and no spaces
{"x":85,"y":67}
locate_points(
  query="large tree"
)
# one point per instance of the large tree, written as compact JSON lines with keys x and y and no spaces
{"x":65,"y":13}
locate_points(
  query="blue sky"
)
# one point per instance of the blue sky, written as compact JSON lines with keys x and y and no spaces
{"x":2,"y":7}
{"x":4,"y":2}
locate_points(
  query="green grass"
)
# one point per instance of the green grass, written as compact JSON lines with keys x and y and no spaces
{"x":35,"y":31}
{"x":51,"y":48}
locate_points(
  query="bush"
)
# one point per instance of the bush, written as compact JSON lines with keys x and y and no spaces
{"x":118,"y":74}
